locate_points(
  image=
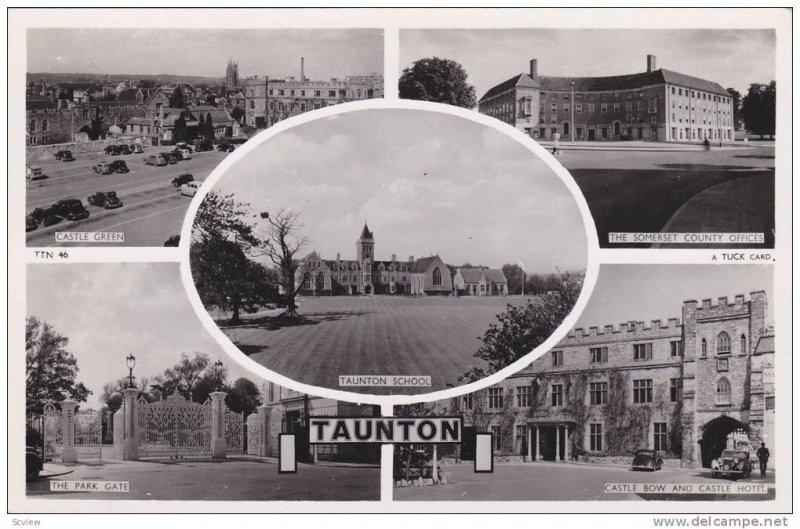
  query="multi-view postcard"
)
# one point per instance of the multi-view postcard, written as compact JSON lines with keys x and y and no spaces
{"x":401,"y":261}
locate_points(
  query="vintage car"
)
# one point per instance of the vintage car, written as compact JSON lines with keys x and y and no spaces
{"x":70,"y":209}
{"x":113,"y":150}
{"x":203,"y":145}
{"x":647,"y":459}
{"x":183,"y":152}
{"x":119,"y":166}
{"x":103,"y":168}
{"x":124,"y":149}
{"x":226,"y":147}
{"x":191,"y":188}
{"x":65,"y":156}
{"x":155,"y":159}
{"x":170,"y":157}
{"x":33,"y":463}
{"x":44,"y":216}
{"x":184,"y":178}
{"x":106,"y":200}
{"x":136,"y":148}
{"x":34,"y":172}
{"x":732,"y":463}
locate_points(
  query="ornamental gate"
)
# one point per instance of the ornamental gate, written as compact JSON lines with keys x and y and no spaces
{"x":255,"y":435}
{"x":174,"y":427}
{"x":234,"y":432}
{"x":84,"y":441}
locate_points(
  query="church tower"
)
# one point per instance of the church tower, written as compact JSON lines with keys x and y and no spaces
{"x":232,"y":75}
{"x":365,"y":253}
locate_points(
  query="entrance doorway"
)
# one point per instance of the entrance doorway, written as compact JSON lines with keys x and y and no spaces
{"x":367,"y":289}
{"x":616,"y":129}
{"x":566,"y":128}
{"x":552,"y":443}
{"x":715,"y":437}
{"x":591,"y":135}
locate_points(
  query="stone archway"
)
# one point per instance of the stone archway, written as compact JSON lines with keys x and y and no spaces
{"x":714,"y":437}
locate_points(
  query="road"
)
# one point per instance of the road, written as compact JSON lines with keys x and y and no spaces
{"x":562,"y":481}
{"x":251,"y":480}
{"x":152,"y":210}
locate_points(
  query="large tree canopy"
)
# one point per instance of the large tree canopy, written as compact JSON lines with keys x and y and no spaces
{"x":437,"y":80}
{"x":244,"y":397}
{"x":758,"y":109}
{"x":50,"y":370}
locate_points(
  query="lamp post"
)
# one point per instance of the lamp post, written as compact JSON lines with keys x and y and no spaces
{"x":218,"y":373}
{"x":572,"y":112}
{"x":131,"y":361}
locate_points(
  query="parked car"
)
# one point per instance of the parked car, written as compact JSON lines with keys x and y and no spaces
{"x":30,"y":223}
{"x":184,"y":178}
{"x":203,"y":145}
{"x":125,"y":150}
{"x":184,"y":153}
{"x":647,"y":459}
{"x":169,"y":157}
{"x":65,"y":156}
{"x":119,"y":166}
{"x":136,"y":148}
{"x":156,"y":159}
{"x":184,"y":145}
{"x":71,"y":209}
{"x":191,"y":188}
{"x":103,"y":168}
{"x":105,"y":200}
{"x":33,"y":463}
{"x":225,"y":147}
{"x":45,"y":216}
{"x":732,"y":463}
{"x":113,"y":150}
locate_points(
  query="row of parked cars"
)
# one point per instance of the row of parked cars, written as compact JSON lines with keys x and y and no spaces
{"x":117,"y":166}
{"x":70,"y":209}
{"x":116,"y":150}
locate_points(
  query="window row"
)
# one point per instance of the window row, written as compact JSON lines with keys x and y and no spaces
{"x":641,"y":351}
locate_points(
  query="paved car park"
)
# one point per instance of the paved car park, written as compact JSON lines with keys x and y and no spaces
{"x":153,"y":208}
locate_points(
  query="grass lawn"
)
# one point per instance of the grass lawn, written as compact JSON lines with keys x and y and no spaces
{"x":378,"y":335}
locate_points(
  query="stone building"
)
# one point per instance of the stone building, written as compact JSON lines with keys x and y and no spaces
{"x":654,"y":105}
{"x":365,"y":275}
{"x":269,"y":100}
{"x":680,"y":387}
{"x":51,"y":121}
{"x":480,"y":281}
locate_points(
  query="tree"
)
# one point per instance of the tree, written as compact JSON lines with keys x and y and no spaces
{"x":209,"y":132}
{"x":281,"y":245}
{"x":222,"y":217}
{"x":520,"y":329}
{"x":244,"y":397}
{"x":213,"y":379}
{"x":237,"y":114}
{"x":514,"y":277}
{"x":184,"y":376}
{"x":758,"y":109}
{"x":737,"y":108}
{"x":50,"y":370}
{"x":437,"y":80}
{"x":176,"y":100}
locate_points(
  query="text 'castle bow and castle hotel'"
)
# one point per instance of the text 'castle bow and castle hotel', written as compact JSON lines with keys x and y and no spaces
{"x":654,"y":105}
{"x":683,"y":389}
{"x":419,"y":277}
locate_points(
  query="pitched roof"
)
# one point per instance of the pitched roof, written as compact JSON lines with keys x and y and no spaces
{"x":609,"y":83}
{"x":494,"y":275}
{"x":471,"y":275}
{"x":129,"y":94}
{"x":218,"y":114}
{"x":422,"y":264}
{"x":365,"y":233}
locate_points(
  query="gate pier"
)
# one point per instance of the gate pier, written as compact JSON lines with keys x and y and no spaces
{"x":68,"y":452}
{"x":219,"y":447}
{"x":130,"y":450}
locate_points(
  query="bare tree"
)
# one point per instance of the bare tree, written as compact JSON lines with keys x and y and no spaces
{"x":282,"y":244}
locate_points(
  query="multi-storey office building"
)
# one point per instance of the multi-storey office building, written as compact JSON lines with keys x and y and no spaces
{"x":655,"y":105}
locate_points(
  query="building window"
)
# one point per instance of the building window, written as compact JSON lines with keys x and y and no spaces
{"x":675,"y":385}
{"x":280,"y":92}
{"x":769,"y":403}
{"x":466,"y":402}
{"x":660,"y":436}
{"x":598,"y":393}
{"x":703,"y":348}
{"x":591,"y":108}
{"x":675,"y":348}
{"x":317,"y":93}
{"x":496,"y":437}
{"x":524,"y":396}
{"x":598,"y":355}
{"x":596,"y":437}
{"x":742,"y":338}
{"x":495,"y":398}
{"x":437,"y":277}
{"x":522,"y":438}
{"x":554,"y":108}
{"x":306,"y":281}
{"x":628,"y":107}
{"x":722,"y":364}
{"x":723,"y":391}
{"x":566,"y":107}
{"x":33,"y":126}
{"x":557,"y":395}
{"x":578,"y":108}
{"x":558,"y":358}
{"x":616,"y":107}
{"x":44,"y":125}
{"x":331,"y":93}
{"x":723,"y":343}
{"x":642,"y":391}
{"x":603,"y":107}
{"x":642,"y":351}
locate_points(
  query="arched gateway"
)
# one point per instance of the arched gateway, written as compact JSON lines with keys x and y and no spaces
{"x":715,"y":437}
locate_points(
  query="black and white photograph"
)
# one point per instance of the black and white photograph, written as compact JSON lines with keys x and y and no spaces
{"x":115,"y":150}
{"x":389,"y":251}
{"x":126,"y":390}
{"x":687,"y":399}
{"x":670,"y":134}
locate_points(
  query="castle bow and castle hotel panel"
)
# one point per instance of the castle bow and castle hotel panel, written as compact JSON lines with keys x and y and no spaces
{"x":654,"y":105}
{"x":684,"y":387}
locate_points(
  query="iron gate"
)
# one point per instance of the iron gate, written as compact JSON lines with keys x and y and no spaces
{"x":174,"y":427}
{"x":234,"y":432}
{"x":88,"y":434}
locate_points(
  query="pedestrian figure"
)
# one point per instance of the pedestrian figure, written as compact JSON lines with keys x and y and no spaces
{"x":763,"y":457}
{"x":707,"y":144}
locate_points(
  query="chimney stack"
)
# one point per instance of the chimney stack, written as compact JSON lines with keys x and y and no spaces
{"x":534,"y":64}
{"x":302,"y":68}
{"x":651,"y":63}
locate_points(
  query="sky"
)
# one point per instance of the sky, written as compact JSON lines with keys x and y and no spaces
{"x":651,"y":292}
{"x":733,"y":58}
{"x":110,"y":310}
{"x":426,"y":183}
{"x":205,"y":52}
